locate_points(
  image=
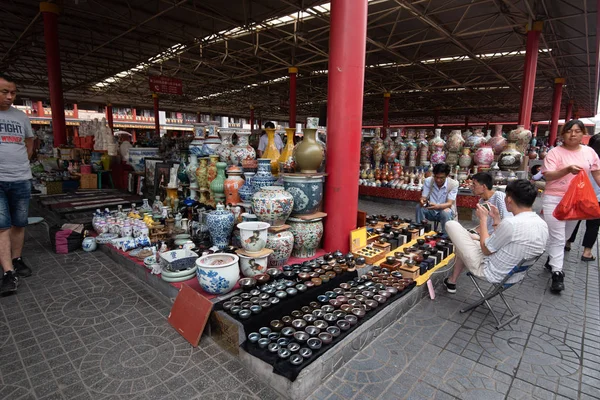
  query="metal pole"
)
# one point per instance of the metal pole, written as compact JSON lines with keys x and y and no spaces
{"x":293,"y":71}
{"x":347,"y":49}
{"x":556,"y":100}
{"x":156,"y":116}
{"x":529,"y":73}
{"x":50,"y":12}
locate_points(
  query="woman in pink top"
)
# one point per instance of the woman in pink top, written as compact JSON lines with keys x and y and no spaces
{"x":560,"y":167}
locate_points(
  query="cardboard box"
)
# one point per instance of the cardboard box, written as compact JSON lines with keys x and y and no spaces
{"x":88,"y":181}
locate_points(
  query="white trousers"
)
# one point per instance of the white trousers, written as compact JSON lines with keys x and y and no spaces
{"x":558,"y":232}
{"x":468,"y":251}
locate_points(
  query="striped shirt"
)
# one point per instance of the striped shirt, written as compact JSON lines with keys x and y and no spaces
{"x":497,"y":199}
{"x":521,"y":237}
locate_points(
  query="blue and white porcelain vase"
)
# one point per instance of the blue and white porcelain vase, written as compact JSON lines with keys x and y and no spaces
{"x":307,"y":192}
{"x":220,"y":225}
{"x":246,"y":191}
{"x":263,"y":175}
{"x":195,"y":146}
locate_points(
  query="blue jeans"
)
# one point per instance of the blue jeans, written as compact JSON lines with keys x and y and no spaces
{"x":14,"y":203}
{"x":434,"y":215}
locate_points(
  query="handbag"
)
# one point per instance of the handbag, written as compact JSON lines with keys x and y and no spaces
{"x":579,"y":202}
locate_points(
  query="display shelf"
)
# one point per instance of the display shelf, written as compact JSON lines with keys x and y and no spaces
{"x":308,"y":217}
{"x":462,"y":200}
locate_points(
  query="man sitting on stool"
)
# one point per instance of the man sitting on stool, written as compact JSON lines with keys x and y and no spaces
{"x":521,"y":237}
{"x":438,"y":200}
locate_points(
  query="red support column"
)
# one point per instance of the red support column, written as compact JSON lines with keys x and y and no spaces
{"x":251,"y":118}
{"x":109,"y":116}
{"x":156,"y":116}
{"x":556,"y":100}
{"x":347,"y":49}
{"x":386,"y":113}
{"x":436,"y":118}
{"x":40,"y":109}
{"x":50,"y":12}
{"x":293,"y":71}
{"x":529,"y":73}
{"x":133,"y":136}
{"x":134,"y":113}
{"x":569,"y":111}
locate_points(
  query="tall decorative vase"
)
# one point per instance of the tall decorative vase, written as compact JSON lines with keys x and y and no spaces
{"x":455,"y":141}
{"x":271,"y":151}
{"x":217,"y":185}
{"x":272,"y":204}
{"x":220,"y":225}
{"x":263,"y":175}
{"x":198,"y":142}
{"x":224,"y":149}
{"x":191,"y":171}
{"x":465,"y":158}
{"x":437,"y":141}
{"x":484,"y":156}
{"x":211,"y":172}
{"x":242,"y":150}
{"x":105,"y":159}
{"x":497,"y":142}
{"x":439,"y":157}
{"x":282,"y":244}
{"x":475,"y":140}
{"x":307,"y":192}
{"x":366,"y":153}
{"x":307,"y":236}
{"x":521,"y":137}
{"x":232,"y":185}
{"x":510,"y":159}
{"x":378,"y":149}
{"x":212,"y":140}
{"x":286,"y":158}
{"x":201,"y":174}
{"x":246,"y":191}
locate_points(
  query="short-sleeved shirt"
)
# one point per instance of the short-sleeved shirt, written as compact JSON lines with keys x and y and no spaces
{"x":497,"y":199}
{"x":521,"y":237}
{"x":559,"y":158}
{"x":438,"y":195}
{"x":14,"y":129}
{"x":264,"y":139}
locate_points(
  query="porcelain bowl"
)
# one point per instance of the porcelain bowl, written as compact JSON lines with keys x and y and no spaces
{"x":218,"y":273}
{"x":253,"y":235}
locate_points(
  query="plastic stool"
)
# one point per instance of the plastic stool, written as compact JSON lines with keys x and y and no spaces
{"x":112,"y":186}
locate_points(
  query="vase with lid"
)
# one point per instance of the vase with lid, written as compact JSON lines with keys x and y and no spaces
{"x":465,"y":159}
{"x":263,"y":175}
{"x":497,"y":142}
{"x":308,"y":154}
{"x":232,"y":185}
{"x":272,"y":204}
{"x":242,"y":150}
{"x":217,"y":185}
{"x":220,"y":225}
{"x":510,"y":158}
{"x":246,"y":191}
{"x":224,"y":149}
{"x":286,"y":158}
{"x":271,"y":151}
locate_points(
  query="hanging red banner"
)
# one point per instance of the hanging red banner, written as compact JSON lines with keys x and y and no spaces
{"x":163,"y":84}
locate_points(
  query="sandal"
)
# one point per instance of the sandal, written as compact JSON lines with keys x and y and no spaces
{"x":588,"y":259}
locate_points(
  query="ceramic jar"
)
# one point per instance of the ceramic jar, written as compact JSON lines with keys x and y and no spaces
{"x":253,"y":236}
{"x":224,"y":149}
{"x":439,"y":157}
{"x":475,"y":140}
{"x":191,"y":171}
{"x":286,"y":158}
{"x":497,"y":142}
{"x":308,"y":154}
{"x":521,"y":137}
{"x":218,"y":273}
{"x":272,"y":204}
{"x":282,"y":244}
{"x":307,"y":236}
{"x":455,"y":141}
{"x":89,"y":244}
{"x":307,"y":192}
{"x":232,"y":185}
{"x":246,"y":191}
{"x":465,"y":159}
{"x":220,"y":224}
{"x":452,"y":158}
{"x":242,"y":150}
{"x":510,"y":158}
{"x":263,"y":175}
{"x":252,"y":266}
{"x":137,"y":155}
{"x":484,"y":156}
{"x":389,"y":155}
{"x":378,"y":149}
{"x":366,"y":152}
{"x":217,"y":187}
{"x":271,"y":152}
{"x":196,"y":144}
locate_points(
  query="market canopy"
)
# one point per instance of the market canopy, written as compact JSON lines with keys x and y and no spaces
{"x":461,"y":57}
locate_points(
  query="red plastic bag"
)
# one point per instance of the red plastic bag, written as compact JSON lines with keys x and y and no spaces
{"x":579,"y":202}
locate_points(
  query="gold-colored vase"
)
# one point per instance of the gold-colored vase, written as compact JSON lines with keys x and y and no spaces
{"x":271,"y":151}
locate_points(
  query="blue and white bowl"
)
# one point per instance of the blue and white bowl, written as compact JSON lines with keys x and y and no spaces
{"x":218,"y":273}
{"x":177,"y":260}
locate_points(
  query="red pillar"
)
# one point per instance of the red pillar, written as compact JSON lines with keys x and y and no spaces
{"x":156,"y":117}
{"x":251,"y":118}
{"x":50,"y":12}
{"x":569,"y":114}
{"x":133,"y":136}
{"x":134,"y":113}
{"x":75,"y":111}
{"x":386,"y":113}
{"x":293,"y":71}
{"x":436,"y":118}
{"x":347,"y":45}
{"x":109,"y":116}
{"x":556,"y":100}
{"x":529,"y":72}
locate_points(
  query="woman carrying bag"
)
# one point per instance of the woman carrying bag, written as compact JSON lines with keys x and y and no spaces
{"x":561,"y":165}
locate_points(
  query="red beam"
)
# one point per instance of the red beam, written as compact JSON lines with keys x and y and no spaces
{"x":347,"y":49}
{"x":293,"y":71}
{"x":50,"y":12}
{"x":156,"y":116}
{"x":556,"y":100}
{"x":529,"y":73}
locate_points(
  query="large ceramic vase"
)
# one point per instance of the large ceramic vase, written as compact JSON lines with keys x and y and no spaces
{"x":220,"y":224}
{"x":218,"y":273}
{"x":263,"y":175}
{"x":475,"y":140}
{"x":271,"y":151}
{"x":201,"y":174}
{"x":253,"y":236}
{"x":521,"y":137}
{"x":282,"y":244}
{"x":510,"y":159}
{"x":286,"y":158}
{"x":437,"y":141}
{"x":378,"y":149}
{"x":452,"y":158}
{"x":224,"y":149}
{"x":308,"y":154}
{"x":484,"y":156}
{"x":455,"y":141}
{"x":217,"y":186}
{"x":182,"y":170}
{"x":232,"y":185}
{"x":272,"y":204}
{"x":438,"y":157}
{"x":137,"y":155}
{"x":212,"y":140}
{"x":211,"y":171}
{"x":242,"y":150}
{"x":366,"y":153}
{"x":307,"y":236}
{"x":465,"y":159}
{"x":191,"y":171}
{"x":497,"y":142}
{"x":196,"y":145}
{"x":307,"y":192}
{"x":246,"y":191}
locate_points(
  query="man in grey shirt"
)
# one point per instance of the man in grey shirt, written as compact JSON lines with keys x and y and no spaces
{"x":16,"y":147}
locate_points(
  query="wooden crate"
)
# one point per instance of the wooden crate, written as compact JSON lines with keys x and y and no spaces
{"x":89,"y":181}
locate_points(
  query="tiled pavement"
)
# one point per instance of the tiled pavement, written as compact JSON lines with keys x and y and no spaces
{"x":80,"y":328}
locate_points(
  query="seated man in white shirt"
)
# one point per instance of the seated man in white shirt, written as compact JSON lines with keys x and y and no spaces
{"x":482,"y":186}
{"x":438,"y":197}
{"x":262,"y":144}
{"x":521,"y":237}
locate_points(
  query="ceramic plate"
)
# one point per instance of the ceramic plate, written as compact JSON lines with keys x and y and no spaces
{"x":182,"y":236}
{"x":150,"y":260}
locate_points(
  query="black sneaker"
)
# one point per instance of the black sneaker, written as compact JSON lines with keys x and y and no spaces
{"x":450,"y":287}
{"x":9,"y":283}
{"x":547,"y":265}
{"x":558,"y":284}
{"x":22,"y":270}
